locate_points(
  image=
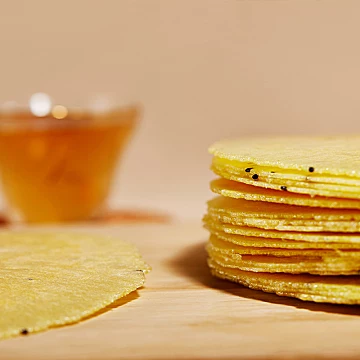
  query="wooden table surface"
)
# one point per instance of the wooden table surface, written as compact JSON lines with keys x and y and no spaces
{"x":184,"y":313}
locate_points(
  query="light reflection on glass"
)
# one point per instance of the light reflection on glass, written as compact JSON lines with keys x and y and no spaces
{"x":40,"y":104}
{"x":59,"y":112}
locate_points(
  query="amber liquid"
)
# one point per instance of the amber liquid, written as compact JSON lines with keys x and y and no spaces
{"x":61,"y":173}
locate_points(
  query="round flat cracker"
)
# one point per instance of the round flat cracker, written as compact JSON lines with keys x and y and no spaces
{"x":227,"y":247}
{"x":319,"y":262}
{"x":333,"y":159}
{"x":282,"y":217}
{"x":289,"y":265}
{"x":259,"y":242}
{"x":260,"y":209}
{"x":54,"y":279}
{"x":238,"y":190}
{"x":294,"y":187}
{"x":288,"y":235}
{"x":326,"y":289}
{"x":284,"y":174}
{"x":331,"y":155}
{"x":292,"y":226}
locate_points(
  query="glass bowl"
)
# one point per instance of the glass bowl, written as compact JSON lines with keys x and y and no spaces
{"x":60,"y":167}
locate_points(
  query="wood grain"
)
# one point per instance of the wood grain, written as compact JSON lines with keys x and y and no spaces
{"x":184,"y":313}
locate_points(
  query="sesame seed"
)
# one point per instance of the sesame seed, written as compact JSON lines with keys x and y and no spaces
{"x":24,"y":331}
{"x":255,"y":176}
{"x":284,"y":188}
{"x":248,"y":169}
{"x":311,"y":169}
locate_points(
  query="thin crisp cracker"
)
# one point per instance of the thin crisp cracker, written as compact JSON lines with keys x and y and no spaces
{"x":282,"y":217}
{"x":325,"y":289}
{"x":330,"y":237}
{"x":290,"y":186}
{"x":295,"y":262}
{"x":261,"y":242}
{"x":239,"y":190}
{"x":332,"y":155}
{"x":54,"y":279}
{"x":252,"y":249}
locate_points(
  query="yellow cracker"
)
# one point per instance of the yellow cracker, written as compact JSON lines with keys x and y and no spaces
{"x":282,"y":217}
{"x":227,"y":248}
{"x":260,"y":209}
{"x":296,"y":188}
{"x":284,"y":174}
{"x":293,"y":226}
{"x":248,"y":177}
{"x":290,"y":265}
{"x":328,"y":289}
{"x":335,"y":156}
{"x":260,"y":242}
{"x":307,"y":180}
{"x":238,"y":190}
{"x":288,"y":235}
{"x":56,"y":279}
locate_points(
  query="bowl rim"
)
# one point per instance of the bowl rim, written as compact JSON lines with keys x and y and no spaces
{"x":85,"y":118}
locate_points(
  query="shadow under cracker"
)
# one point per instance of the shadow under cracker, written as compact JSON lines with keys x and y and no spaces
{"x":192,"y":264}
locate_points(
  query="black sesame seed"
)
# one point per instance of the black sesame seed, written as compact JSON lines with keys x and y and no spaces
{"x":255,"y":176}
{"x":273,"y":172}
{"x":283,"y":188}
{"x":311,"y":169}
{"x":30,"y":279}
{"x":248,"y":169}
{"x":24,"y":331}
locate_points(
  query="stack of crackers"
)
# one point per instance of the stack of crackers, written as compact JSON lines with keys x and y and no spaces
{"x":287,"y":218}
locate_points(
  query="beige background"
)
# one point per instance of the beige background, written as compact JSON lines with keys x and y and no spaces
{"x":204,"y":69}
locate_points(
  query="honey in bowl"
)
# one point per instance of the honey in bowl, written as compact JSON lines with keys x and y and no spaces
{"x":61,"y":170}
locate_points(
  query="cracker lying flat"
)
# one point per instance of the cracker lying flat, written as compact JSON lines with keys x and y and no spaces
{"x":227,"y":247}
{"x":282,"y":217}
{"x":49,"y":280}
{"x":261,"y":242}
{"x":260,"y":209}
{"x":239,"y":190}
{"x":330,"y":289}
{"x":288,"y":235}
{"x":306,"y":165}
{"x":331,"y":190}
{"x":315,"y":261}
{"x":333,"y":156}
